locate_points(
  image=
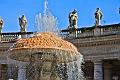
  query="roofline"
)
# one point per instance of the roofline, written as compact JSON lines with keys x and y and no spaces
{"x":91,"y":28}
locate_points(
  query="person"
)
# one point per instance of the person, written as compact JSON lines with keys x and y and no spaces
{"x":73,"y":19}
{"x":1,"y":24}
{"x":98,"y":16}
{"x":23,"y":23}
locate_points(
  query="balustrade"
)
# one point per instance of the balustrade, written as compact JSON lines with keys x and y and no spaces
{"x":91,"y":31}
{"x":8,"y":37}
{"x":68,"y":34}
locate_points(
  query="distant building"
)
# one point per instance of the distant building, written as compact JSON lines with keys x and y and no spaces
{"x":100,"y":47}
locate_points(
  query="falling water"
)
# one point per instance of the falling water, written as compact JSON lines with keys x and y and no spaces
{"x":48,"y":23}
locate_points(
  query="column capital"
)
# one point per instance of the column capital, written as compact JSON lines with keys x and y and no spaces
{"x":97,"y":61}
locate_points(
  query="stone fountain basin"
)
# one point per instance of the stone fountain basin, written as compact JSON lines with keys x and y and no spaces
{"x":26,"y":54}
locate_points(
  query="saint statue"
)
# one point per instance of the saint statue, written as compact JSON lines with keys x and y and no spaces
{"x":1,"y":24}
{"x":98,"y":17}
{"x":119,"y":10}
{"x":23,"y":23}
{"x":73,"y":19}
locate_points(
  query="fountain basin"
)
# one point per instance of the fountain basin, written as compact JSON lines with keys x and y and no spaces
{"x":46,"y":44}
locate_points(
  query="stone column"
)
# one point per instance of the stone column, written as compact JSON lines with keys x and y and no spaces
{"x":107,"y":72}
{"x":0,"y":37}
{"x":22,"y":72}
{"x":3,"y":69}
{"x":0,"y":72}
{"x":98,"y":72}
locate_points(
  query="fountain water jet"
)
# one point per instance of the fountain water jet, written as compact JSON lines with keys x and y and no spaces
{"x":46,"y":22}
{"x":46,"y":56}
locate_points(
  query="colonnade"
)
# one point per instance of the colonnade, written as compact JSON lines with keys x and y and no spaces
{"x":101,"y":71}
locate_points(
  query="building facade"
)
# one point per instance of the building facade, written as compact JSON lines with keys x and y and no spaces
{"x":100,"y":47}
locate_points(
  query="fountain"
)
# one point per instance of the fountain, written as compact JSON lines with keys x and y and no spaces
{"x":45,"y":56}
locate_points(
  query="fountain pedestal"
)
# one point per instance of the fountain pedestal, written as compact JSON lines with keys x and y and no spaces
{"x":22,"y":72}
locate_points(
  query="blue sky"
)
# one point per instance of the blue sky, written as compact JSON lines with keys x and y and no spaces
{"x":10,"y":10}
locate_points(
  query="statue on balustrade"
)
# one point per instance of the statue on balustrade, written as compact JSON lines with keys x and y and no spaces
{"x":98,"y":16}
{"x":119,"y":10}
{"x":23,"y":23}
{"x":1,"y":24}
{"x":73,"y":18}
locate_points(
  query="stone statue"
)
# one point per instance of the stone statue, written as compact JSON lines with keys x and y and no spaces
{"x":119,"y":11}
{"x":23,"y":23}
{"x":73,"y":19}
{"x":98,"y":17}
{"x":1,"y":24}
